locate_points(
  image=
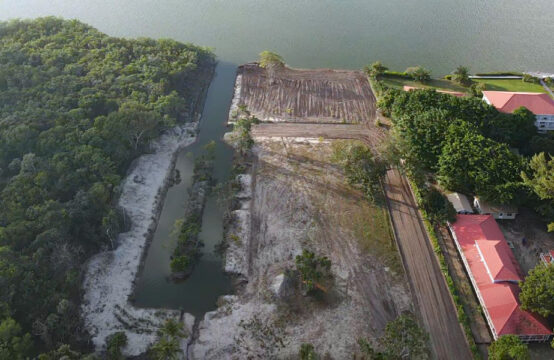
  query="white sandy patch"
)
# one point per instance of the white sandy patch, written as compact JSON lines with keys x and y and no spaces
{"x":245,"y":181}
{"x":219,"y":329}
{"x":292,"y":140}
{"x":236,"y":255}
{"x":236,"y":97}
{"x":110,"y":275}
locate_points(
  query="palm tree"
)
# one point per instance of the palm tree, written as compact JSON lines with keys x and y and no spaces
{"x":173,"y":329}
{"x":166,"y":349}
{"x":461,"y":75}
{"x":419,"y":73}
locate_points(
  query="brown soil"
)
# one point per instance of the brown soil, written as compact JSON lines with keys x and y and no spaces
{"x":293,"y":95}
{"x":373,"y":137}
{"x":428,"y":284}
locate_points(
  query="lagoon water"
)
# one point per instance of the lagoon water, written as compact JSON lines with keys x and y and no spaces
{"x":485,"y":35}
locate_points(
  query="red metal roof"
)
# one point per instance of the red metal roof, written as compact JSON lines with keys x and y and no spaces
{"x":496,"y":272}
{"x":506,"y":101}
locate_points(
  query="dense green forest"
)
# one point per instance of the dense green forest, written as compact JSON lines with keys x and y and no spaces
{"x":76,"y":107}
{"x":470,"y":147}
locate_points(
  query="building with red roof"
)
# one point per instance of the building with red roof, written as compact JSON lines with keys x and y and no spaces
{"x":539,"y":104}
{"x":495,"y":274}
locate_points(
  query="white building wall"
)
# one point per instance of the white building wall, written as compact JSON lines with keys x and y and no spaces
{"x":544,"y":123}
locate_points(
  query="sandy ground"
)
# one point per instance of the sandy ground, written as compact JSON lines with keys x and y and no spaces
{"x":110,"y":275}
{"x":527,"y":225}
{"x":297,"y":200}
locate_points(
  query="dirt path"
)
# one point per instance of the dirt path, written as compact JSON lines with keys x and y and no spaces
{"x":428,"y":285}
{"x":327,"y":131}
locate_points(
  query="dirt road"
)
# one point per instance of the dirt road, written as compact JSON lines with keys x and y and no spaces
{"x":327,"y":131}
{"x":428,"y":284}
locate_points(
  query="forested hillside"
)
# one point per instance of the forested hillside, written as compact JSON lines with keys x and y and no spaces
{"x":76,"y":107}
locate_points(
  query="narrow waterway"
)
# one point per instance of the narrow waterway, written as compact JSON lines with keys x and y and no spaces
{"x":438,"y":34}
{"x":199,"y":293}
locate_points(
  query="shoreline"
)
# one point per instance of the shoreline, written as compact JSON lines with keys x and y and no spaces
{"x":111,"y":276}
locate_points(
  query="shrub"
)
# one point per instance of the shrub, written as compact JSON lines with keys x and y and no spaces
{"x":508,"y":347}
{"x":115,"y":343}
{"x":500,"y":73}
{"x":530,"y":79}
{"x":438,"y":208}
{"x":419,"y":73}
{"x":307,"y":352}
{"x":312,"y":269}
{"x":396,"y":74}
{"x":180,"y":263}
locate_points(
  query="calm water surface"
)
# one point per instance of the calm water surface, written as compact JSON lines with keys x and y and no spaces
{"x":485,"y":35}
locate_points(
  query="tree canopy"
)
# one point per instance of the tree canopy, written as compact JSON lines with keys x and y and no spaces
{"x":76,"y":107}
{"x":508,"y":347}
{"x":537,"y":291}
{"x":375,"y":69}
{"x":468,"y":144}
{"x":541,"y":182}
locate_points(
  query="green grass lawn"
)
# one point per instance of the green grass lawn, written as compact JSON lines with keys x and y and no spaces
{"x":511,"y":85}
{"x":439,"y":84}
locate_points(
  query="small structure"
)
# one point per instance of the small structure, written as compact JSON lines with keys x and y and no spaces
{"x":497,"y":211}
{"x":460,"y":203}
{"x":538,"y":103}
{"x":548,"y":257}
{"x":453,"y":93}
{"x":495,"y":274}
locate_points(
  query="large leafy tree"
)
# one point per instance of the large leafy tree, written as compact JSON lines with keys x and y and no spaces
{"x":541,"y":182}
{"x":542,"y":178}
{"x":473,"y":163}
{"x":423,"y":134}
{"x":537,"y":291}
{"x":376,"y":69}
{"x":508,"y":347}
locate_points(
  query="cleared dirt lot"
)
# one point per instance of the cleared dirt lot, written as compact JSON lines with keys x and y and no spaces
{"x":428,"y":285}
{"x":327,"y":131}
{"x":300,"y":201}
{"x":299,"y":95}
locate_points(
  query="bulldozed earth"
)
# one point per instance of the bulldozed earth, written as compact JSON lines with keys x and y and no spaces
{"x":293,"y":198}
{"x":305,"y":95}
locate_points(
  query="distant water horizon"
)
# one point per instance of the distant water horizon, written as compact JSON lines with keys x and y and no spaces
{"x":437,"y":34}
